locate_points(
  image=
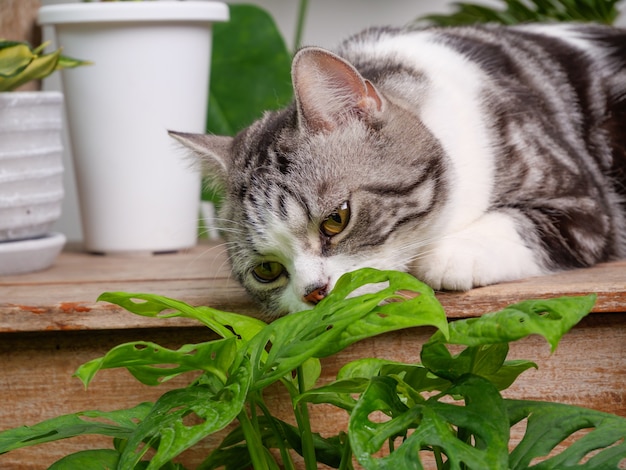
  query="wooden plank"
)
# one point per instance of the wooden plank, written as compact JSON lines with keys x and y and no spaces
{"x":607,"y":280}
{"x":36,"y":383}
{"x":64,"y":296}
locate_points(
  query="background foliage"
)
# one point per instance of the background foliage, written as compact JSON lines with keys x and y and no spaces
{"x":526,"y":11}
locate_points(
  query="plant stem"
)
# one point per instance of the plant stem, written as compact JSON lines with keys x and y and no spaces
{"x":304,"y":425}
{"x":284,"y":453}
{"x":346,"y":454}
{"x":302,"y":9}
{"x":253,"y":440}
{"x":438,"y":458}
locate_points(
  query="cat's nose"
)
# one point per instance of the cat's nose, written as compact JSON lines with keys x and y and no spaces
{"x":315,"y":294}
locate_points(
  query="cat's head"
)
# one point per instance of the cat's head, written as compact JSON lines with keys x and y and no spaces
{"x":344,"y":178}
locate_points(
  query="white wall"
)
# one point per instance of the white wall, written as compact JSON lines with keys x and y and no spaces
{"x":328,"y":22}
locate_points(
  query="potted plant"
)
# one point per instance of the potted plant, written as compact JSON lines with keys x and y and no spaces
{"x":31,"y":188}
{"x":137,"y":192}
{"x":446,"y":411}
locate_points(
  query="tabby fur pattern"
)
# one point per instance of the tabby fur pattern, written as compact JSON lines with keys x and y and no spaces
{"x":466,"y":156}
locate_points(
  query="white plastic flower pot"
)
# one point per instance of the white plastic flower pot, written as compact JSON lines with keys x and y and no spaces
{"x":138,"y":191}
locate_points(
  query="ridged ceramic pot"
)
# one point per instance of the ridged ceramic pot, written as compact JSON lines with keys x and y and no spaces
{"x":31,"y":168}
{"x":138,"y":191}
{"x":31,"y":183}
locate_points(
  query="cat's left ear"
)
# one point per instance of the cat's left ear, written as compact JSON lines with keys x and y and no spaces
{"x":329,"y":90}
{"x":213,"y":152}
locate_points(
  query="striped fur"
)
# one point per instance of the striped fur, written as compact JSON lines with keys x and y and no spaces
{"x":468,"y":156}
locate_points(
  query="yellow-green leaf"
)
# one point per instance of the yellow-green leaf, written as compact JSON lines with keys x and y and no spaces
{"x":14,"y":59}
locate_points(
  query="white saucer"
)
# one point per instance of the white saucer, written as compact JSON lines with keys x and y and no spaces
{"x":24,"y":256}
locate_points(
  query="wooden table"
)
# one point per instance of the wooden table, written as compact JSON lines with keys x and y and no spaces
{"x":50,"y":323}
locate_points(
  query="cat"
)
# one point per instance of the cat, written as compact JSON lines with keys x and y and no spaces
{"x":466,"y":156}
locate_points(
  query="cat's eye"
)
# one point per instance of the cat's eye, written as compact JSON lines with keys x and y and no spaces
{"x":336,"y":222}
{"x":268,"y":271}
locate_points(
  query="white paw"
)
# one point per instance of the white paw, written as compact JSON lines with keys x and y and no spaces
{"x":487,"y":252}
{"x":456,"y":265}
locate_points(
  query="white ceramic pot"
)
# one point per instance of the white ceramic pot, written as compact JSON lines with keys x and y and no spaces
{"x":31,"y":169}
{"x":137,"y":190}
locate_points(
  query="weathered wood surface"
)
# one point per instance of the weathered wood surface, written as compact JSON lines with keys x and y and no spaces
{"x":64,"y":296}
{"x":50,"y":323}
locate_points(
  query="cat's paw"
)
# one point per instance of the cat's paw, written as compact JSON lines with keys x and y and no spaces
{"x":453,"y":266}
{"x":488,"y":252}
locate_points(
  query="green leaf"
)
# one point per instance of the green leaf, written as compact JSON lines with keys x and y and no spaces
{"x":120,"y":424}
{"x":152,"y":364}
{"x":38,"y":67}
{"x":231,"y":458}
{"x":233,"y":453}
{"x":328,"y":450}
{"x":337,"y":321}
{"x":182,"y":417}
{"x":549,"y":424}
{"x":20,"y":64}
{"x":225,"y":324}
{"x":14,"y":58}
{"x":250,"y":70}
{"x":354,"y":377}
{"x":482,"y":420}
{"x":99,"y":459}
{"x":337,"y":393}
{"x":312,"y":368}
{"x":550,"y":318}
{"x":66,"y":62}
{"x":504,"y":377}
{"x":487,"y":361}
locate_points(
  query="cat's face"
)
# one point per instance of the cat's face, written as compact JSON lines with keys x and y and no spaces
{"x":324,"y":187}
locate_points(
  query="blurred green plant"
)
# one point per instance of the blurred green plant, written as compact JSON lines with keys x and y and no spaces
{"x":250,"y":70}
{"x":20,"y":63}
{"x":528,"y":11}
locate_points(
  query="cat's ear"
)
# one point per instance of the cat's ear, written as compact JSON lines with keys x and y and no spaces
{"x":213,"y":151}
{"x":329,"y":90}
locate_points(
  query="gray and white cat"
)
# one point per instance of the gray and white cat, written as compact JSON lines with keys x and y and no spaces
{"x":466,"y":156}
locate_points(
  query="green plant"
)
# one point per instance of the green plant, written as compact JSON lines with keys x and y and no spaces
{"x":522,"y":11}
{"x":449,"y":405}
{"x":20,"y":63}
{"x":250,"y":68}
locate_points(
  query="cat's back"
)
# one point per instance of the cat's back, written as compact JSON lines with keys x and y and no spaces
{"x":490,"y":46}
{"x":531,"y":112}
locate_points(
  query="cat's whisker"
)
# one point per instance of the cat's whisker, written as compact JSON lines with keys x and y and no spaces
{"x":225,"y":221}
{"x":210,"y":249}
{"x":231,"y":230}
